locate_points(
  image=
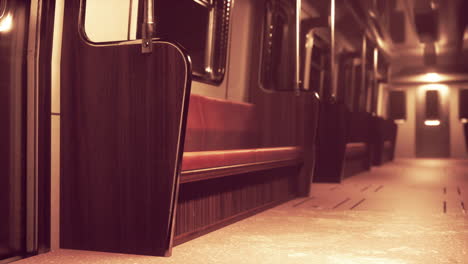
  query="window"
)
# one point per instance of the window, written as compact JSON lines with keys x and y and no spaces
{"x":463,"y":105}
{"x":277,"y":69}
{"x":2,"y":8}
{"x":370,"y":89}
{"x":351,"y":87}
{"x":432,"y":105}
{"x":382,"y":68}
{"x":346,"y":79}
{"x":357,"y":86}
{"x":317,"y":62}
{"x":397,"y":105}
{"x":111,"y":20}
{"x":200,"y":26}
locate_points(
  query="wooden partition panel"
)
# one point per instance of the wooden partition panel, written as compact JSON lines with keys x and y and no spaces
{"x":360,"y":131}
{"x":383,"y":140}
{"x":122,"y":126}
{"x":331,"y":142}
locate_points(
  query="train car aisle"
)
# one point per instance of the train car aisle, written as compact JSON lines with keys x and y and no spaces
{"x":408,"y":211}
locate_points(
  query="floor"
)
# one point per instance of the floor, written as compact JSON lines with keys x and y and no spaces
{"x":408,"y":211}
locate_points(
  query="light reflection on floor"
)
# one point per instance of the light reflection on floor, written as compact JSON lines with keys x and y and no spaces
{"x":405,"y":212}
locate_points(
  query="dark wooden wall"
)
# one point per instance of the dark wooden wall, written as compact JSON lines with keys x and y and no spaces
{"x":331,"y":142}
{"x":122,"y":116}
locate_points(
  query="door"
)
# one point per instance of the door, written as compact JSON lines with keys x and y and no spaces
{"x":432,"y":122}
{"x":13,"y":43}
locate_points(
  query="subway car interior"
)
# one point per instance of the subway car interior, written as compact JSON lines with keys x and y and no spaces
{"x":233,"y":131}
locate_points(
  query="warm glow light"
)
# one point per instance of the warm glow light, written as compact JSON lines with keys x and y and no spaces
{"x":399,"y":121}
{"x":432,"y":122}
{"x":317,"y":95}
{"x":6,"y":23}
{"x":438,"y":87}
{"x":432,"y":77}
{"x":464,"y":120}
{"x":442,"y":88}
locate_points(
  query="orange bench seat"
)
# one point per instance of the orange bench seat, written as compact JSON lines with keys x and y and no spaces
{"x":223,"y":158}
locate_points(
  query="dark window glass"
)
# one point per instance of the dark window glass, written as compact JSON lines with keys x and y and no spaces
{"x":369,"y":91}
{"x":202,"y":28}
{"x":278,"y":52}
{"x":357,"y":87}
{"x":364,"y":85}
{"x":2,"y":8}
{"x":326,"y":82}
{"x":319,"y":73}
{"x":397,"y":105}
{"x":315,"y":81}
{"x":350,"y":87}
{"x":345,"y":81}
{"x":432,"y":104}
{"x":463,"y":104}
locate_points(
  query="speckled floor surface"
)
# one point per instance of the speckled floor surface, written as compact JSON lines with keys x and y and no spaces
{"x":409,"y":211}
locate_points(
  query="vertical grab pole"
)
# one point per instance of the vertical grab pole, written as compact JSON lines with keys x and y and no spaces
{"x":333,"y":74}
{"x":362,"y":94}
{"x":375,"y":88}
{"x":298,"y":40}
{"x":147,"y":27}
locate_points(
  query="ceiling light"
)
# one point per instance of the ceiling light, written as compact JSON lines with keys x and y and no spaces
{"x":432,"y":77}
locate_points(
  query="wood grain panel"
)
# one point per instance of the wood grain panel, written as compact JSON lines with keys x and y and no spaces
{"x":359,"y":129}
{"x":331,"y":143}
{"x":219,"y":172}
{"x":123,"y":121}
{"x":383,"y":131}
{"x":207,"y":205}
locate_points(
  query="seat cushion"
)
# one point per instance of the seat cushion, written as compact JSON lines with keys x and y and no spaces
{"x":216,"y":158}
{"x":220,"y":158}
{"x":278,"y":153}
{"x":356,"y":149}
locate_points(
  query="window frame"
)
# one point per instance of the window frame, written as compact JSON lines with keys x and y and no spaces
{"x":210,"y":76}
{"x":462,"y":111}
{"x":285,"y":8}
{"x":405,"y":106}
{"x":215,"y":62}
{"x":3,"y":7}
{"x":321,"y":44}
